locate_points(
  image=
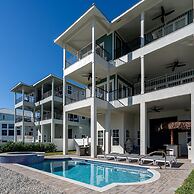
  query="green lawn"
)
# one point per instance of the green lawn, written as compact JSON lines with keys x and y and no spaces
{"x":188,"y":185}
{"x":58,"y":153}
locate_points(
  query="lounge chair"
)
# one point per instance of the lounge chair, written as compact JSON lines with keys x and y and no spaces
{"x":170,"y":160}
{"x":135,"y":157}
{"x":111,"y":156}
{"x":152,"y":159}
{"x":122,"y":157}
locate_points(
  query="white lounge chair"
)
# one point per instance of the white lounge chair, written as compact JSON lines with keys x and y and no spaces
{"x":170,"y":160}
{"x":152,"y":159}
{"x":135,"y":157}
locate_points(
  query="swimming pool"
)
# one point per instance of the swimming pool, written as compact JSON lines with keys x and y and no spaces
{"x":94,"y":173}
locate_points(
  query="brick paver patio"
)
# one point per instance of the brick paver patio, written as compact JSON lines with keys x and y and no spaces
{"x":169,"y":181}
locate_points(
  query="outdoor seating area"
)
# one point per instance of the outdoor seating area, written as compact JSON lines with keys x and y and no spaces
{"x":156,"y":158}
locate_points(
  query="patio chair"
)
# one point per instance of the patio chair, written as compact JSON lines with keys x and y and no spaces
{"x":170,"y":160}
{"x":111,"y":156}
{"x":122,"y":157}
{"x":135,"y":157}
{"x":152,"y":159}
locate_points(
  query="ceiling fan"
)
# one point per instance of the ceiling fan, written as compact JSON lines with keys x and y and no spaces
{"x":163,"y":14}
{"x":175,"y":65}
{"x":88,"y":76}
{"x":156,"y":109}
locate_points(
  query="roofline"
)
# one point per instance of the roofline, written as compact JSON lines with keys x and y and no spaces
{"x":20,"y":84}
{"x":81,"y":17}
{"x":130,"y":9}
{"x":48,"y":76}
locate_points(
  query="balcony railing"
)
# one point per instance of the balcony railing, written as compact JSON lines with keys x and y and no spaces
{"x":47,"y":94}
{"x":26,"y":99}
{"x":74,"y":97}
{"x":173,"y":25}
{"x":72,"y":58}
{"x":26,"y":119}
{"x":59,"y":92}
{"x":58,"y":116}
{"x":168,"y":81}
{"x":46,"y":116}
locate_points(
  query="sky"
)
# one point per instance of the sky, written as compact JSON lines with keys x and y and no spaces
{"x":27,"y":32}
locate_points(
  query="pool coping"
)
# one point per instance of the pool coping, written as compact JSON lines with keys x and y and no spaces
{"x":156,"y":175}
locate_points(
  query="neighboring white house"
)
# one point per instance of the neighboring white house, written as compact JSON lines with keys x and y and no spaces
{"x":7,"y":125}
{"x":39,"y":112}
{"x":139,"y":73}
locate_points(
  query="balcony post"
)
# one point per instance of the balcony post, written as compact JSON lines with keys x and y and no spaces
{"x":142,"y":29}
{"x":93,"y":104}
{"x":42,"y":91}
{"x":113,"y":45}
{"x":23,"y":130}
{"x":107,"y":132}
{"x":15,"y":128}
{"x":108,"y":87}
{"x":65,"y":115}
{"x":143,"y":128}
{"x":52,"y":111}
{"x":192,"y":126}
{"x":142,"y":75}
{"x":42,"y":133}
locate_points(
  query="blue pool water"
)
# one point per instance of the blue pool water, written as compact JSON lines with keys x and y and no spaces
{"x":94,"y":173}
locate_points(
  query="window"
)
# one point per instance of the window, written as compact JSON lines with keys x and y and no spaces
{"x":83,"y":118}
{"x":70,"y":134}
{"x":11,"y":132}
{"x":138,"y":138}
{"x":11,"y":126}
{"x":3,"y":117}
{"x":115,"y":137}
{"x":30,"y":133}
{"x":69,"y":89}
{"x":100,"y":138}
{"x":76,"y":119}
{"x":18,"y":132}
{"x":4,"y":126}
{"x":4,"y":132}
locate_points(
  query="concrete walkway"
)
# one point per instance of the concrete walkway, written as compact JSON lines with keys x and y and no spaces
{"x":169,"y":181}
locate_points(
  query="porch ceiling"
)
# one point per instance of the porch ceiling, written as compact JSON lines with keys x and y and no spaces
{"x":130,"y":28}
{"x":156,"y":62}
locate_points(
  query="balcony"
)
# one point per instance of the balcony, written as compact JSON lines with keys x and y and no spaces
{"x":173,"y":25}
{"x":78,"y":95}
{"x":46,"y":116}
{"x":47,"y":94}
{"x":154,"y":84}
{"x":27,"y":98}
{"x":20,"y":119}
{"x":58,"y":116}
{"x":59,"y":92}
{"x":73,"y":58}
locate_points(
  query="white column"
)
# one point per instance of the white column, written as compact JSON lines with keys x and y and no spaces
{"x":42,"y":133}
{"x":52,"y":112}
{"x":15,"y":128}
{"x":93,"y":104}
{"x":192,"y":127}
{"x":108,"y":87}
{"x":142,"y":75}
{"x":23,"y":130}
{"x":65,"y":115}
{"x":143,"y":128}
{"x":107,"y":132}
{"x":142,"y":30}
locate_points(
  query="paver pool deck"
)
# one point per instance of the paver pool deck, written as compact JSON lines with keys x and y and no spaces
{"x":170,"y":179}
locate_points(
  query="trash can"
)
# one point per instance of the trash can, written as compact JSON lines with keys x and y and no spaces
{"x":189,"y":150}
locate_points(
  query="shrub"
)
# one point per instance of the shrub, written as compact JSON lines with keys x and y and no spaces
{"x":22,"y":147}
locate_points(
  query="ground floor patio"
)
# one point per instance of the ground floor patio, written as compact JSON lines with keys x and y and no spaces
{"x":17,"y":179}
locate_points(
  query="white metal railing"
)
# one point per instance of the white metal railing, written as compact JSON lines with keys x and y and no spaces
{"x":171,"y":26}
{"x":167,"y":81}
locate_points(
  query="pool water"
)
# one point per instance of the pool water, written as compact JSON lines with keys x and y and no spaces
{"x":94,"y":173}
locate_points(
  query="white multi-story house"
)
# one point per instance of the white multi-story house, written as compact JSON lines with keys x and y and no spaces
{"x":139,"y":73}
{"x":7,"y":125}
{"x":39,"y":112}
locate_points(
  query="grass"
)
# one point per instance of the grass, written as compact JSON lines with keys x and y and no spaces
{"x":188,"y":185}
{"x":59,"y":153}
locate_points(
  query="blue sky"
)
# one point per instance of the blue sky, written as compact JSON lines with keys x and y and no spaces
{"x":27,"y":31}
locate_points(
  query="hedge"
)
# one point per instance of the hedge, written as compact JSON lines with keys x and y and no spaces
{"x":22,"y":147}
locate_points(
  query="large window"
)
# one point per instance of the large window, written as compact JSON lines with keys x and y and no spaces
{"x":115,"y":137}
{"x":100,"y":138}
{"x":70,"y":134}
{"x":11,"y":126}
{"x":4,"y":126}
{"x":18,"y":132}
{"x":11,"y":132}
{"x":4,"y":132}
